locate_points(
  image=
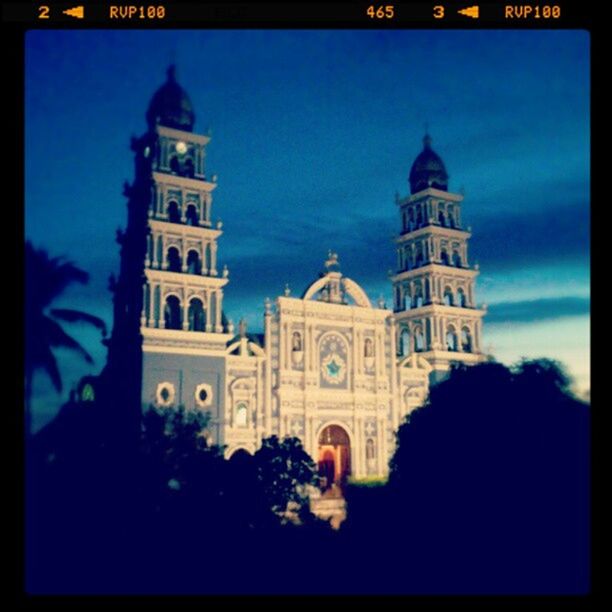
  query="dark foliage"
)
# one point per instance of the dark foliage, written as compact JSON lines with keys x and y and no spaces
{"x":488,"y":493}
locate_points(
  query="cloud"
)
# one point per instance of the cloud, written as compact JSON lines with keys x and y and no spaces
{"x":528,"y":311}
{"x":516,"y":239}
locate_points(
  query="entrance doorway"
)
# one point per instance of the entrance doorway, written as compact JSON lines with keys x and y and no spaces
{"x":334,"y":458}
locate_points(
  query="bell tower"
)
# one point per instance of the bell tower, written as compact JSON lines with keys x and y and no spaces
{"x":184,"y":288}
{"x":434,"y":285}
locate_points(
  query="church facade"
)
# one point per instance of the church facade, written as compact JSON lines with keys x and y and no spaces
{"x":331,"y":367}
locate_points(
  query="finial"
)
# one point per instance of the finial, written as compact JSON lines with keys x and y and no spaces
{"x":381,"y":302}
{"x":268,"y":306}
{"x":332,"y":260}
{"x":225,"y":271}
{"x":427,"y":138}
{"x":219,"y":224}
{"x":230,"y":327}
{"x":242,"y":328}
{"x":287,"y":290}
{"x":171,"y":73}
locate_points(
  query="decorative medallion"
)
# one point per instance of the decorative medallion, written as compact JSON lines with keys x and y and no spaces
{"x":333,"y":368}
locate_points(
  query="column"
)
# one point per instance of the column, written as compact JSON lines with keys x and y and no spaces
{"x":185,"y":311}
{"x":213,"y":259}
{"x":152,"y":300}
{"x":184,"y":255}
{"x":208,"y":304}
{"x":218,"y":326}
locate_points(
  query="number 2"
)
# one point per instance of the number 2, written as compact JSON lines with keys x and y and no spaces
{"x":43,"y":12}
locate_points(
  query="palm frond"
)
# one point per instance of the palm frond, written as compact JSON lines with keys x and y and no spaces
{"x":77,"y":316}
{"x":59,"y":338}
{"x":48,"y":363}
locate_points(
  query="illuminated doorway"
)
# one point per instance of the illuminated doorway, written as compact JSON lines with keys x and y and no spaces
{"x":334,"y":457}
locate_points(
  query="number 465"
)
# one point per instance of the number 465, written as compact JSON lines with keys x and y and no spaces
{"x":382,"y":12}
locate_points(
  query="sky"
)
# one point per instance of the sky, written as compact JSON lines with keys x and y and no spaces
{"x":313,"y":134}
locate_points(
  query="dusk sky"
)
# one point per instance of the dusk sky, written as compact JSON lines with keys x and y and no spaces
{"x":313,"y":132}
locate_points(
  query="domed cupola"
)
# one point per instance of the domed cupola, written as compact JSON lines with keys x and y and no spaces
{"x":171,"y":106}
{"x":428,"y":170}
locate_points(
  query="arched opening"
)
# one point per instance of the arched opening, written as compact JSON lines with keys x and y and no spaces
{"x":197,"y":317}
{"x":370,"y":451}
{"x":174,"y":260}
{"x":419,"y":340}
{"x":419,"y":256}
{"x":296,"y":342}
{"x":444,"y":257}
{"x":334,"y":458}
{"x":175,"y":166}
{"x":417,"y":300}
{"x":419,"y":217}
{"x":188,"y":168}
{"x":191,"y":215}
{"x":172,"y":313}
{"x":368,"y":348}
{"x":461,"y":300}
{"x":407,"y":301}
{"x":451,"y":339}
{"x":451,"y":217}
{"x":241,"y":415}
{"x":441,"y":219}
{"x":448,"y":296}
{"x":194,"y":265}
{"x":174,"y":216}
{"x":456,"y":259}
{"x":405,"y":343}
{"x":466,"y":340}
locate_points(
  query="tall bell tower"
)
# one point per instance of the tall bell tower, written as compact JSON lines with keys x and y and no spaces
{"x":184,"y":288}
{"x":434,"y":285}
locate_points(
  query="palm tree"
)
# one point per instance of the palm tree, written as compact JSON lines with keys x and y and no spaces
{"x":46,"y":279}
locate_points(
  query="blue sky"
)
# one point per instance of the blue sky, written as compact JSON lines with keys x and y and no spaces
{"x":313,"y":132}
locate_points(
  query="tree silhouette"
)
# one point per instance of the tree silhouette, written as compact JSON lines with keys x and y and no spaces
{"x":46,"y":279}
{"x":491,"y":481}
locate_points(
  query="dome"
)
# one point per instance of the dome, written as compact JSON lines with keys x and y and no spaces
{"x":170,"y":106}
{"x":428,"y":170}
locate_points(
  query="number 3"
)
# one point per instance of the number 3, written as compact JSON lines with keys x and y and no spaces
{"x":438,"y":12}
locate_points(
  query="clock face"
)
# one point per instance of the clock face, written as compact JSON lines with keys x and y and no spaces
{"x":181,"y":147}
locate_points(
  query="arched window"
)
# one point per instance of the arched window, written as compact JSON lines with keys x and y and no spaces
{"x":419,"y":256}
{"x":456,"y":259}
{"x":466,"y":340}
{"x":192,"y":215}
{"x":451,"y":339}
{"x":417,"y":300}
{"x":174,"y":216}
{"x":448,"y":296}
{"x":172,"y":313}
{"x":405,"y":342}
{"x":407,"y":300}
{"x":370,"y":449}
{"x":241,"y":419}
{"x":411,"y":219}
{"x":197,"y":316}
{"x":451,"y":217}
{"x":194,"y":266}
{"x":188,"y":168}
{"x":368,"y":348}
{"x":441,"y":218}
{"x":419,"y":341}
{"x":461,"y":298}
{"x":444,"y":257}
{"x":296,"y":342}
{"x":175,"y":166}
{"x":419,"y":217}
{"x":174,"y":260}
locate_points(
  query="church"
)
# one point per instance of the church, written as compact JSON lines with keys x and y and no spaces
{"x":331,"y":367}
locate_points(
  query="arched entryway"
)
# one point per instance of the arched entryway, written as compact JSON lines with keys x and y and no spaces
{"x":334,"y":458}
